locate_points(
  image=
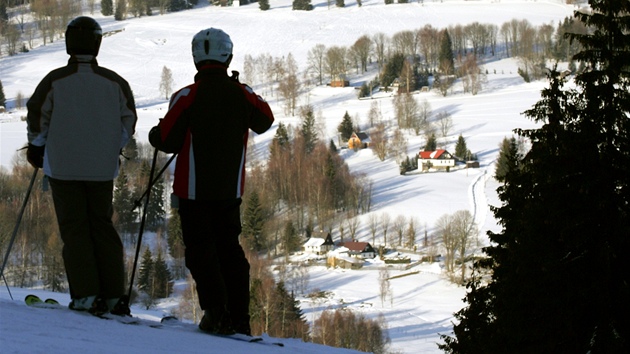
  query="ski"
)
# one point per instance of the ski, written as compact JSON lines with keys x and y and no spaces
{"x":172,"y":321}
{"x":35,"y":301}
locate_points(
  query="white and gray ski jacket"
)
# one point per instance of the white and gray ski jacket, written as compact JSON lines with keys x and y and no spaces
{"x":84,"y":114}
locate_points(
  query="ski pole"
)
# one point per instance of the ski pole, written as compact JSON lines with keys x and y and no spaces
{"x":19,"y":220}
{"x":143,"y":219}
{"x":138,"y":201}
{"x":7,"y":284}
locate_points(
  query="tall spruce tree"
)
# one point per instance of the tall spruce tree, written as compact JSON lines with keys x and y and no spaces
{"x":345,"y":128}
{"x":308,"y":129}
{"x":431,"y":143}
{"x":163,"y":279}
{"x":559,"y":266}
{"x":461,"y":150}
{"x":253,"y":222}
{"x":290,"y":319}
{"x":508,"y":158}
{"x":145,"y":272}
{"x":123,"y":202}
{"x":155,"y":210}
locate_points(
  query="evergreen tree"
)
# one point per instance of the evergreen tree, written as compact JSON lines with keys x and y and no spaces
{"x":508,"y":158}
{"x":431,"y":144}
{"x":446,"y":58}
{"x":145,"y":272}
{"x":308,"y":131}
{"x":364,"y":91}
{"x":461,"y":150}
{"x":446,"y":64}
{"x":281,"y":138}
{"x":253,"y":222}
{"x":155,"y":210}
{"x":291,"y":319}
{"x":177,"y":5}
{"x":346,"y":128}
{"x":302,"y":5}
{"x":392,"y":69}
{"x":123,"y":202}
{"x":107,"y":7}
{"x":174,"y":238}
{"x":263,"y":5}
{"x":291,"y":239}
{"x":163,"y":279}
{"x":559,"y":281}
{"x":332,"y":147}
{"x":3,"y":99}
{"x":176,"y":247}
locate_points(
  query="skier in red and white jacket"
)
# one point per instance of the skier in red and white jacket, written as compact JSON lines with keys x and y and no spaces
{"x":208,"y":125}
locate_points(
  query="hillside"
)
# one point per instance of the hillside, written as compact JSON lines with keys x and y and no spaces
{"x":423,"y":303}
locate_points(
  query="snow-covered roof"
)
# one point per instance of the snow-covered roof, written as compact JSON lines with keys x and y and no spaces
{"x":427,"y":155}
{"x":314,"y":242}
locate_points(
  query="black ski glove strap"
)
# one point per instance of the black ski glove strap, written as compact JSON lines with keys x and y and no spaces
{"x":35,"y":155}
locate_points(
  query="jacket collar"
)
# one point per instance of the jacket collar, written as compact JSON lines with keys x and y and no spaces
{"x":82,"y":58}
{"x":210,"y":69}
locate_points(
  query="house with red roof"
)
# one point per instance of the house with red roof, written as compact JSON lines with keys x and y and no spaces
{"x":356,"y":248}
{"x":438,"y":159}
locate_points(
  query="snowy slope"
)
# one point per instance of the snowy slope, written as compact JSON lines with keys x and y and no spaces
{"x":31,"y":330}
{"x":423,"y":303}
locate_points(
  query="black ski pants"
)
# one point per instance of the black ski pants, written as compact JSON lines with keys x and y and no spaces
{"x":92,"y":249}
{"x":215,"y":257}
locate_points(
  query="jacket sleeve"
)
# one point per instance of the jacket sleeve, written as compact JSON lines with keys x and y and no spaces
{"x":128,"y":114}
{"x":39,"y":112}
{"x":170,"y":133}
{"x":262,"y":116}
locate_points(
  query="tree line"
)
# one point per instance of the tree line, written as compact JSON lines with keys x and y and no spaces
{"x":553,"y":279}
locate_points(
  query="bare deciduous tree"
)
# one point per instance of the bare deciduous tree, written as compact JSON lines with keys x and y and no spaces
{"x":380,"y":46}
{"x":384,"y":286}
{"x":166,"y":82}
{"x":398,"y":148}
{"x":362,"y":49}
{"x":385,"y":222}
{"x":445,"y":122}
{"x":316,"y":59}
{"x":379,"y":141}
{"x":374,"y":114}
{"x":399,"y":226}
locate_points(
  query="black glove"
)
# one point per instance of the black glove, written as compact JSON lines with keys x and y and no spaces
{"x":155,"y":136}
{"x":35,"y":155}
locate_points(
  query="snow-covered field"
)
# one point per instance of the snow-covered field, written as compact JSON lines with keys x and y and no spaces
{"x":423,"y":303}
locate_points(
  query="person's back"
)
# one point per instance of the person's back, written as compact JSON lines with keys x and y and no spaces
{"x":79,"y":118}
{"x":208,"y":125}
{"x":85,"y":127}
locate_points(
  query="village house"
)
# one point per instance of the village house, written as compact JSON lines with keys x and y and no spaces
{"x":438,"y":159}
{"x":319,"y":244}
{"x":339,"y":81}
{"x":358,"y":141}
{"x":343,"y":261}
{"x":363,"y":249}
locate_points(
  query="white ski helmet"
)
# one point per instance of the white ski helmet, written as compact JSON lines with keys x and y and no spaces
{"x":211,"y":44}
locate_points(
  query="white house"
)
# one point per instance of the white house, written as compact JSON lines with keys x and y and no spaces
{"x":319,"y":245}
{"x":438,"y":159}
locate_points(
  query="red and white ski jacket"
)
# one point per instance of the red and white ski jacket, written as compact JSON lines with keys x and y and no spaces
{"x":208,"y":124}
